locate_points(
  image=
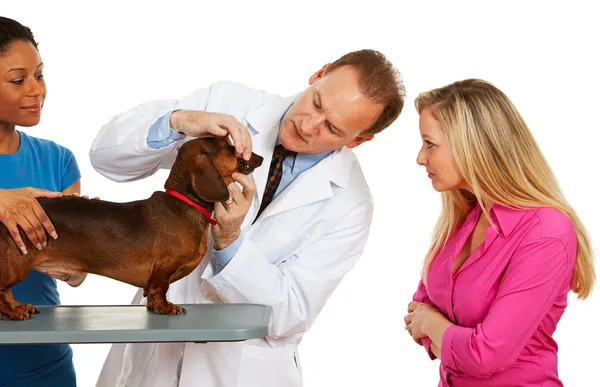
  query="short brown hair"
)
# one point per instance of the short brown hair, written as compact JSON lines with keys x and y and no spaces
{"x":379,"y":81}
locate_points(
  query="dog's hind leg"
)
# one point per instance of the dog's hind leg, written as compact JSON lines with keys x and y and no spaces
{"x":11,"y":309}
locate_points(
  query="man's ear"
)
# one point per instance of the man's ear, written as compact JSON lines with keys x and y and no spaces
{"x":319,"y":74}
{"x":207,"y":181}
{"x":359,"y":140}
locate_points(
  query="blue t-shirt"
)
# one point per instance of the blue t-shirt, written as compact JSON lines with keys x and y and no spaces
{"x":39,"y":164}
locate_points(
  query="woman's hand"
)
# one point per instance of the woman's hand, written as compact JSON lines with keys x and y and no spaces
{"x":424,"y":320}
{"x":20,"y":208}
{"x":418,"y":313}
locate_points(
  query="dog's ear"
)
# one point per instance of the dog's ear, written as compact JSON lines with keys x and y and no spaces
{"x":207,"y":181}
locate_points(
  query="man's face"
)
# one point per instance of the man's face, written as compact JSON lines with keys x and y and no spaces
{"x":330,"y":114}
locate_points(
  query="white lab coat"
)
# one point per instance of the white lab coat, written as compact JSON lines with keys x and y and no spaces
{"x":292,"y":258}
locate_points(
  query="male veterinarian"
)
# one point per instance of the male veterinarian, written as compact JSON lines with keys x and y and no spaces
{"x":287,"y":238}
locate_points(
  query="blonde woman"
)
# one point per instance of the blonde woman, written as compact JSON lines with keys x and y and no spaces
{"x":507,"y":248}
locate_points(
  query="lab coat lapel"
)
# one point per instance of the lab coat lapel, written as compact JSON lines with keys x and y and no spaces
{"x":314,"y":184}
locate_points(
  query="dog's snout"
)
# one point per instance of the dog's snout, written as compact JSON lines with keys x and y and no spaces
{"x":249,"y":166}
{"x":242,"y":166}
{"x":258,"y":160}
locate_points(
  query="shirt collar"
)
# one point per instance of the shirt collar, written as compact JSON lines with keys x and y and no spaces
{"x":506,"y":218}
{"x":303,"y":161}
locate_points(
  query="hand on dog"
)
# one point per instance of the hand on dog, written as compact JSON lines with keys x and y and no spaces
{"x":19,"y":208}
{"x":195,"y":123}
{"x":84,"y":196}
{"x":230,"y":217}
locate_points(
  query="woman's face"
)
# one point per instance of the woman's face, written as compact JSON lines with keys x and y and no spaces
{"x":435,"y":154}
{"x":22,"y":86}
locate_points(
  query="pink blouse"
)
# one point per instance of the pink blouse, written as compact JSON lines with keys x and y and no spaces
{"x":505,"y":300}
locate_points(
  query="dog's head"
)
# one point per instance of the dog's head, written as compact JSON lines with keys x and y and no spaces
{"x":206,"y":165}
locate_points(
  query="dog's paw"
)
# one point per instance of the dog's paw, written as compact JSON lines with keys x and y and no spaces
{"x":167,"y":308}
{"x":20,"y":312}
{"x":150,"y":306}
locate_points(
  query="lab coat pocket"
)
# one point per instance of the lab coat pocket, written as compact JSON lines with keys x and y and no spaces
{"x":269,"y":367}
{"x":277,"y":243}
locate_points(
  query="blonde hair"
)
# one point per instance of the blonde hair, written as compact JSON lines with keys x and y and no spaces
{"x":500,"y":160}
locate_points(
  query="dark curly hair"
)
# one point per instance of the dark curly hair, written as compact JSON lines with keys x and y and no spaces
{"x":12,"y":31}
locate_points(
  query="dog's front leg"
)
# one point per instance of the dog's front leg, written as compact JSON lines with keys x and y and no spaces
{"x":149,"y":300}
{"x":156,"y":295}
{"x":157,"y":300}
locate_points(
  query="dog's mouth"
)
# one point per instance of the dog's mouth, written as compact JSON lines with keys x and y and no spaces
{"x":247,"y":167}
{"x":243,"y":167}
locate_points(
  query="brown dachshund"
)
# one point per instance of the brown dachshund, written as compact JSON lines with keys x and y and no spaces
{"x":148,"y":243}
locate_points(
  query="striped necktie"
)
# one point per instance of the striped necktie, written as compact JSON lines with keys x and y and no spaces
{"x":275,"y":172}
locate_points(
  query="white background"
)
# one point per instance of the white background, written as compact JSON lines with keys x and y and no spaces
{"x":102,"y":58}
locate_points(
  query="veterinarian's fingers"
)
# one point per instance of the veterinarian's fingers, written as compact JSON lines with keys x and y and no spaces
{"x":44,"y":220}
{"x":26,"y":222}
{"x":241,"y":138}
{"x":247,"y":183}
{"x":43,"y":193}
{"x":217,"y":130}
{"x":220,"y":209}
{"x":233,"y":127}
{"x":16,"y":236}
{"x":246,"y":142}
{"x":222,"y":213}
{"x":236,"y":193}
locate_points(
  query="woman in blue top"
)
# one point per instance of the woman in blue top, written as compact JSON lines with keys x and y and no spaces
{"x":27,"y":161}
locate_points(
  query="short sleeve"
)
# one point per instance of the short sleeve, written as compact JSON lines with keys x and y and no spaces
{"x":70,"y":169}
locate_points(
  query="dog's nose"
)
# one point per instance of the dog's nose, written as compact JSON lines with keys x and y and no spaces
{"x":258,"y":160}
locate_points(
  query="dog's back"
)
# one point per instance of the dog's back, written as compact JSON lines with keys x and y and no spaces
{"x":116,"y":240}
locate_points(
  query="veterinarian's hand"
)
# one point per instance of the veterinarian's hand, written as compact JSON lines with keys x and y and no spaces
{"x":230,"y":216}
{"x":196,"y":123}
{"x":19,"y":207}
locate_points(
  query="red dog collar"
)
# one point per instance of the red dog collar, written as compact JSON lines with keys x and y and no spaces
{"x":184,"y":198}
